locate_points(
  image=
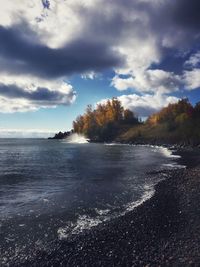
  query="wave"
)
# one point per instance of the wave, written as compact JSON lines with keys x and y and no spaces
{"x":116,"y":144}
{"x":85,"y":222}
{"x":169,"y":153}
{"x":174,"y":166}
{"x":76,"y":139}
{"x":149,"y":193}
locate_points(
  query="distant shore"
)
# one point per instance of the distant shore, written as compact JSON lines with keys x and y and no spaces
{"x":163,"y":231}
{"x":153,"y":142}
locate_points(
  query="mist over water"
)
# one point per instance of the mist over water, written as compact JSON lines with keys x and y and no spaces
{"x":52,"y":190}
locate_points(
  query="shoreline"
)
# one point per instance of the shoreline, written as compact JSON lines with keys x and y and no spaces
{"x":162,"y":231}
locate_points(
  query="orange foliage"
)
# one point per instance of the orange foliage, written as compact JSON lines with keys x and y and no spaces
{"x":173,"y":113}
{"x":105,"y":114}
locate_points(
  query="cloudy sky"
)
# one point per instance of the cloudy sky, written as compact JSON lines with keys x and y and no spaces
{"x":57,"y":56}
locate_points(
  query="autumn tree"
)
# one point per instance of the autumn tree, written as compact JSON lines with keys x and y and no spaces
{"x":173,"y":113}
{"x":104,"y":121}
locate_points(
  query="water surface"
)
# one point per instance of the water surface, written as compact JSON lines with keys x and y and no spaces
{"x":52,"y":190}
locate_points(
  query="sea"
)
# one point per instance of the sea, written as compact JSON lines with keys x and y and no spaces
{"x":55,"y":190}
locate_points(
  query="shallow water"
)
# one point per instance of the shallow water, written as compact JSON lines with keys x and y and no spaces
{"x":53,"y":190}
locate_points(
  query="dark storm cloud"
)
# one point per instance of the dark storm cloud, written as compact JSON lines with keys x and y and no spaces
{"x":179,"y":19}
{"x":92,"y":50}
{"x":162,"y":15}
{"x":175,"y":25}
{"x":42,"y":96}
{"x":19,"y":55}
{"x":186,"y":13}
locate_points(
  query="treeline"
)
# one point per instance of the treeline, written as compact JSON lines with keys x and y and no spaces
{"x":176,"y":123}
{"x":105,"y":122}
{"x":175,"y":114}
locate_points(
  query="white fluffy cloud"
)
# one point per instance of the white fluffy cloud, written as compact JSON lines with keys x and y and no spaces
{"x":192,"y":79}
{"x":60,"y":17}
{"x":87,"y":36}
{"x":31,"y":83}
{"x":146,"y":104}
{"x":193,"y":60}
{"x":191,"y":76}
{"x":29,"y":93}
{"x":149,"y":81}
{"x":45,"y":24}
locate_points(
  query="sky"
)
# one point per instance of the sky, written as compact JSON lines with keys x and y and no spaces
{"x":57,"y":56}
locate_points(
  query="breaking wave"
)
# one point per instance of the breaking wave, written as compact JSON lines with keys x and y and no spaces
{"x":76,"y":139}
{"x":84,"y":222}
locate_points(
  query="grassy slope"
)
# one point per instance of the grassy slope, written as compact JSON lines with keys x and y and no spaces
{"x":188,"y":133}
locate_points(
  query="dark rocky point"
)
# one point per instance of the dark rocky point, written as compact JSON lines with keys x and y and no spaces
{"x":61,"y":135}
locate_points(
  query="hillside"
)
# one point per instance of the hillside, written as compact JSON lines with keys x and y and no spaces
{"x":177,"y":123}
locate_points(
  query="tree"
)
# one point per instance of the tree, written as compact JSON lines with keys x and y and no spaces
{"x":128,"y":116}
{"x":105,"y":121}
{"x":197,"y":109}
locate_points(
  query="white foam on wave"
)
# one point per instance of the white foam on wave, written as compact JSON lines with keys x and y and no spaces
{"x":85,"y":222}
{"x":115,"y":144}
{"x":102,"y":212}
{"x":168,"y":152}
{"x":149,"y":192}
{"x":174,"y":165}
{"x":76,"y":139}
